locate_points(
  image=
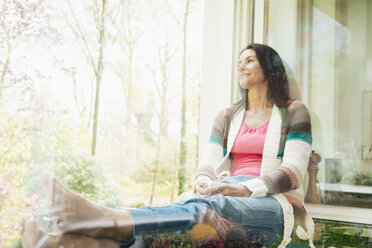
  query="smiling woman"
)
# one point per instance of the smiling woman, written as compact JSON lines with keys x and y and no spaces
{"x":279,"y":167}
{"x":263,"y":199}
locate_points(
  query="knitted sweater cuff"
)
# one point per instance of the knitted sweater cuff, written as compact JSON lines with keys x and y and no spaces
{"x":205,"y":171}
{"x":256,"y":186}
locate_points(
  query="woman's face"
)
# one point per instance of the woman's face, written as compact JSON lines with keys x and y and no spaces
{"x":250,"y":72}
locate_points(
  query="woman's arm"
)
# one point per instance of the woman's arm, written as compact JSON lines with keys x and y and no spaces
{"x":236,"y":190}
{"x":212,"y":155}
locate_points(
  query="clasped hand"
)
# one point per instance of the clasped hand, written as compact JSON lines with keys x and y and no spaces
{"x":211,"y":188}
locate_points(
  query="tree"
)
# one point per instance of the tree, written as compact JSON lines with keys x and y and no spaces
{"x":20,"y":23}
{"x":183,"y":145}
{"x":130,"y":25}
{"x":79,"y":97}
{"x":131,"y":14}
{"x":161,"y":82}
{"x":23,"y":24}
{"x":95,"y":51}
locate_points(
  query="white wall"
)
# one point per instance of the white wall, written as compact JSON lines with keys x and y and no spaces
{"x":226,"y":31}
{"x":215,"y":84}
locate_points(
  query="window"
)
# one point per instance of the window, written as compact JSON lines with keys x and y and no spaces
{"x":328,"y":51}
{"x":93,"y":91}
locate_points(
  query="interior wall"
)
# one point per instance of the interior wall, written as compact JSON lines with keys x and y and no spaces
{"x":227,"y":28}
{"x":217,"y":50}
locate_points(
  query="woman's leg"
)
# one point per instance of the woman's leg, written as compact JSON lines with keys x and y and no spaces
{"x":34,"y":237}
{"x":73,"y":213}
{"x":261,"y":218}
{"x":178,"y":216}
{"x":182,"y":215}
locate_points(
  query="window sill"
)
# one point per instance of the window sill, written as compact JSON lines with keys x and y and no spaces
{"x":359,"y":189}
{"x":340,"y":213}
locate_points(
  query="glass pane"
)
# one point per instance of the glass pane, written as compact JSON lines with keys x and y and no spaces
{"x":92,"y":91}
{"x":341,"y":234}
{"x":328,"y":49}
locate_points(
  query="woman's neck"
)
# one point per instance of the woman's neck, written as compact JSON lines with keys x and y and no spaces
{"x":257,"y":98}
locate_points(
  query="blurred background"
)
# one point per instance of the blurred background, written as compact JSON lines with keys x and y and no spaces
{"x":105,"y":94}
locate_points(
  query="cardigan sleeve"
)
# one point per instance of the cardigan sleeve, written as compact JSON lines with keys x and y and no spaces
{"x":297,"y":149}
{"x":213,"y":153}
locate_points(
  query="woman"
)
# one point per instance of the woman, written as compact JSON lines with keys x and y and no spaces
{"x":251,"y":175}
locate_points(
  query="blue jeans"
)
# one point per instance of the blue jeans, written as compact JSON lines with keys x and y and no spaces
{"x":260,"y":218}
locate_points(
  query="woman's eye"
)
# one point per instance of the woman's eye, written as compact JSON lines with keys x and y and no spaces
{"x":248,"y":61}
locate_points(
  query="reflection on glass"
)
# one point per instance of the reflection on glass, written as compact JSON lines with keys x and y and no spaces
{"x":329,"y":51}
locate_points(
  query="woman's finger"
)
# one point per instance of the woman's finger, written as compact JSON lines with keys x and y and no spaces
{"x":212,"y":218}
{"x":223,"y":224}
{"x":197,"y":188}
{"x":201,"y":190}
{"x":211,"y":190}
{"x":220,"y":189}
{"x":203,"y":183}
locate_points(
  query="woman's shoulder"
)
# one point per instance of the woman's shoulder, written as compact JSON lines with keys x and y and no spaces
{"x":297,"y":112}
{"x":226,"y":111}
{"x":296,"y":104}
{"x":222,"y":114}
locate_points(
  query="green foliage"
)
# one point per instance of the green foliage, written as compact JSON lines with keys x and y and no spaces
{"x":137,"y":205}
{"x":17,"y":244}
{"x":340,"y":234}
{"x":13,"y":203}
{"x":14,"y":157}
{"x":82,"y":174}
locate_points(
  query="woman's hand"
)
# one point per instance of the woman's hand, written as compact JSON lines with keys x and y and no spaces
{"x":202,"y":182}
{"x":236,"y":190}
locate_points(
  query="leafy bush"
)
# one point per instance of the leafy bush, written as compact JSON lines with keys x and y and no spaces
{"x":83,"y":174}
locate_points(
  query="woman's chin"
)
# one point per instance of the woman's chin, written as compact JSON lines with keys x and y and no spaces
{"x":243,"y":83}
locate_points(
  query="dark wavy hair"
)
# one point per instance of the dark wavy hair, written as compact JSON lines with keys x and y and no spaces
{"x":274,"y":71}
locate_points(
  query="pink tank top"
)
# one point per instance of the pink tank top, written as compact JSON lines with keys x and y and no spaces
{"x":246,"y":153}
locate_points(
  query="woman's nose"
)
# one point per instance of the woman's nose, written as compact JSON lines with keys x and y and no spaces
{"x":242,"y":66}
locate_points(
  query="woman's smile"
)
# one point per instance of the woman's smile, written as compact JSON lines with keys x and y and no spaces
{"x":244,"y":74}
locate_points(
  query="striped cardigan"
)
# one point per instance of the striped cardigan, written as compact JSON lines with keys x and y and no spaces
{"x":284,"y":162}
